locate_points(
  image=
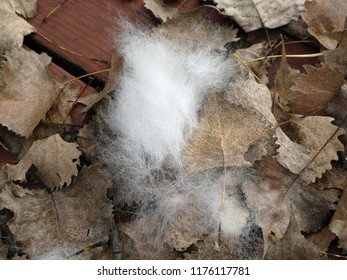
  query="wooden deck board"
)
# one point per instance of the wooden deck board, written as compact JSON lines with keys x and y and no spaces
{"x":86,"y":27}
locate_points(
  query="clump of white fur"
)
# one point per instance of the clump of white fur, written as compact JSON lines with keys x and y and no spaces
{"x":154,"y":110}
{"x":161,"y":88}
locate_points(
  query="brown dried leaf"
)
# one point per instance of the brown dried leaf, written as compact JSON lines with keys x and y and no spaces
{"x":58,"y":225}
{"x":337,"y":58}
{"x":186,"y":29}
{"x":3,"y":249}
{"x":56,"y":162}
{"x":293,"y":246}
{"x":314,"y":90}
{"x":312,"y":133}
{"x":12,"y":30}
{"x":284,"y":81}
{"x":27,"y":91}
{"x":250,"y":94}
{"x":338,"y":224}
{"x":116,"y":67}
{"x":250,"y":14}
{"x":227,"y":135}
{"x":324,"y":17}
{"x":322,"y":238}
{"x":274,"y":195}
{"x":59,"y":113}
{"x":25,"y":8}
{"x":206,"y":250}
{"x":258,"y":67}
{"x":160,"y":10}
{"x":87,"y":141}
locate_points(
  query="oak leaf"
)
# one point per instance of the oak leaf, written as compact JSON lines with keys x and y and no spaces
{"x":316,"y":146}
{"x":324,"y":17}
{"x":27,"y":91}
{"x":59,"y":224}
{"x":55,"y":159}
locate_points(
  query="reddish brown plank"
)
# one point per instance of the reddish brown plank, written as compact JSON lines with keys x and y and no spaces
{"x":87,"y":27}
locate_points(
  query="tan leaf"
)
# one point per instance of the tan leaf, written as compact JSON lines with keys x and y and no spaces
{"x":338,"y":224}
{"x":324,"y":17}
{"x":247,"y":56}
{"x":56,"y":162}
{"x":314,"y":90}
{"x":284,"y":81}
{"x":250,"y":94}
{"x":27,"y":91}
{"x":293,"y":246}
{"x":12,"y":30}
{"x":160,"y":10}
{"x":59,"y":113}
{"x":112,"y":82}
{"x":187,"y":28}
{"x":337,"y":58}
{"x":59,"y":224}
{"x":250,"y":14}
{"x":273,"y":195}
{"x":227,"y":135}
{"x":26,"y":8}
{"x":317,"y":141}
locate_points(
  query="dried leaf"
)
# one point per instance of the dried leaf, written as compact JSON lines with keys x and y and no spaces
{"x":324,"y":17}
{"x":206,"y":250}
{"x":273,"y":195}
{"x":27,"y":91}
{"x":258,"y":67}
{"x":87,"y":141}
{"x":26,"y":8}
{"x":322,"y":238}
{"x":285,"y":78}
{"x":3,"y":249}
{"x":314,"y":90}
{"x":59,"y":113}
{"x":250,"y":94}
{"x":58,"y":225}
{"x":116,"y":67}
{"x":312,"y":133}
{"x":338,"y":224}
{"x":160,"y":10}
{"x":227,"y":135}
{"x":337,"y":58}
{"x":186,"y":29}
{"x":56,"y":162}
{"x":293,"y":246}
{"x":12,"y":30}
{"x":250,"y":14}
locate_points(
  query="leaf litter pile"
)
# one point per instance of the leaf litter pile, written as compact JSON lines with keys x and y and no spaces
{"x":198,"y":147}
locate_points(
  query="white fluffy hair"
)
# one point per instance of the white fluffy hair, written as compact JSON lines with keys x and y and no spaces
{"x":154,"y":111}
{"x":161,"y":89}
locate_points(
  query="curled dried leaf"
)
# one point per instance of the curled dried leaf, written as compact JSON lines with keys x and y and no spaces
{"x":55,"y":159}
